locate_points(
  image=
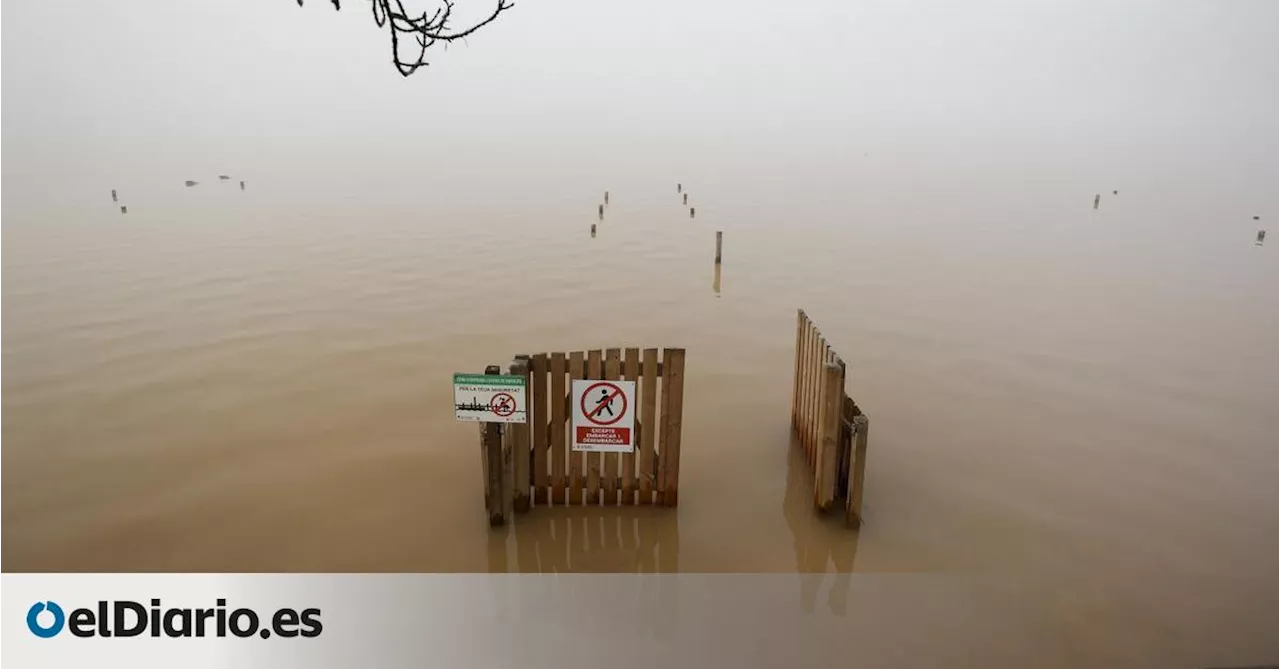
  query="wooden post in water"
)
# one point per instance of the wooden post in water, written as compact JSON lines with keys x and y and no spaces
{"x":672,"y":417}
{"x":124,"y":209}
{"x":539,"y":418}
{"x":679,"y":187}
{"x":858,"y":464}
{"x":521,"y":447}
{"x":606,"y":197}
{"x":692,"y":211}
{"x":602,"y":212}
{"x":1096,"y":200}
{"x":686,"y":198}
{"x":113,"y":195}
{"x":593,"y":230}
{"x":492,"y":445}
{"x":560,"y":414}
{"x":241,"y":185}
{"x":828,"y":441}
{"x":1261,"y":234}
{"x":719,"y":241}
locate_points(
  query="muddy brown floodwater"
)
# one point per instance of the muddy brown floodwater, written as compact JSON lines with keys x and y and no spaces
{"x":1081,"y":402}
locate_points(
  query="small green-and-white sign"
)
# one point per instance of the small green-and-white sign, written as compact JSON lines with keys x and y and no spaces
{"x":489,"y":398}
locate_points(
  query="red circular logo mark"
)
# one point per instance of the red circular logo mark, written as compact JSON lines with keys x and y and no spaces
{"x":602,"y":399}
{"x":502,"y":404}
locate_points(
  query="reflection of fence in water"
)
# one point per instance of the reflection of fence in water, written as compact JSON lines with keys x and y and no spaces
{"x":608,"y":550}
{"x":820,"y":542}
{"x":578,"y":539}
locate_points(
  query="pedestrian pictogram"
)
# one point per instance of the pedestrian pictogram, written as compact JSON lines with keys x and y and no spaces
{"x":489,"y":398}
{"x":503,"y":404}
{"x":604,"y":416}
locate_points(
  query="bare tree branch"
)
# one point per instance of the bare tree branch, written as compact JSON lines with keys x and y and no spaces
{"x":427,"y":31}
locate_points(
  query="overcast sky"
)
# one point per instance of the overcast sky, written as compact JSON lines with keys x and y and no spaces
{"x":168,"y":87}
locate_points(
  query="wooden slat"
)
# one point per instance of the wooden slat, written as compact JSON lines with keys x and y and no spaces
{"x":829,"y":437}
{"x":484,"y":464}
{"x":508,"y":467}
{"x":853,"y":501}
{"x":577,"y":370}
{"x":594,"y":470}
{"x":672,"y":417}
{"x":557,"y":432}
{"x":795,"y":383}
{"x":810,"y":351}
{"x":810,"y":404}
{"x":811,"y":394}
{"x":541,"y":489}
{"x":802,"y":408}
{"x":819,"y":380}
{"x":630,"y":372}
{"x":521,"y":452}
{"x":493,"y":464}
{"x":612,"y":372}
{"x":649,"y":423}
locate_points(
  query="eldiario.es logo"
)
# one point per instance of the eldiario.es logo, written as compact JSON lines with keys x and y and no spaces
{"x":124,"y":618}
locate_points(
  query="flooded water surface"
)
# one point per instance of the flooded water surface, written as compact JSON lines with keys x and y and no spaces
{"x":1074,"y":406}
{"x":1081,"y":401}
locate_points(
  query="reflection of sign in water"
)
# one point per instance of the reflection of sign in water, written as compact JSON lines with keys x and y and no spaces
{"x":489,"y":398}
{"x":603,"y":416}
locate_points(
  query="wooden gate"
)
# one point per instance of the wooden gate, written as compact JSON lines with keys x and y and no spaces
{"x":829,"y":425}
{"x":532,"y":464}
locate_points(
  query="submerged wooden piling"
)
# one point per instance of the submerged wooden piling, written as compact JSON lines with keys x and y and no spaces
{"x":686,"y":198}
{"x":606,"y":197}
{"x":602,"y":212}
{"x":679,"y":187}
{"x":692,"y":211}
{"x":593,"y":229}
{"x":1096,"y":200}
{"x":1261,"y":235}
{"x":719,"y":240}
{"x":113,"y":197}
{"x":124,"y":209}
{"x":241,"y":185}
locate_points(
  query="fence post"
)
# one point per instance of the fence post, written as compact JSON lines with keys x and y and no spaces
{"x":672,"y":416}
{"x":508,"y":467}
{"x":493,"y":465}
{"x":795,"y":384}
{"x":520,"y":446}
{"x":829,"y":436}
{"x":858,"y":462}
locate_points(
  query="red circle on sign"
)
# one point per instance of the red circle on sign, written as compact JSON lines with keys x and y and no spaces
{"x":614,"y":392}
{"x":502,"y":408}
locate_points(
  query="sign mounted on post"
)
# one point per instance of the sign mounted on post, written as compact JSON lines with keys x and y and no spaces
{"x":489,"y":398}
{"x":604,"y":416}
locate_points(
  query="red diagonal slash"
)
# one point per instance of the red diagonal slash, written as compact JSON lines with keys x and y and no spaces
{"x":600,"y":406}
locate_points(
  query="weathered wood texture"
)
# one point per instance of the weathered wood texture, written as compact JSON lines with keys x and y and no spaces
{"x":491,"y":441}
{"x":829,"y":425}
{"x":545,"y":469}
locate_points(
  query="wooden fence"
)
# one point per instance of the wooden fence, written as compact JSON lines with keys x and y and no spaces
{"x":829,"y":426}
{"x":532,"y":464}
